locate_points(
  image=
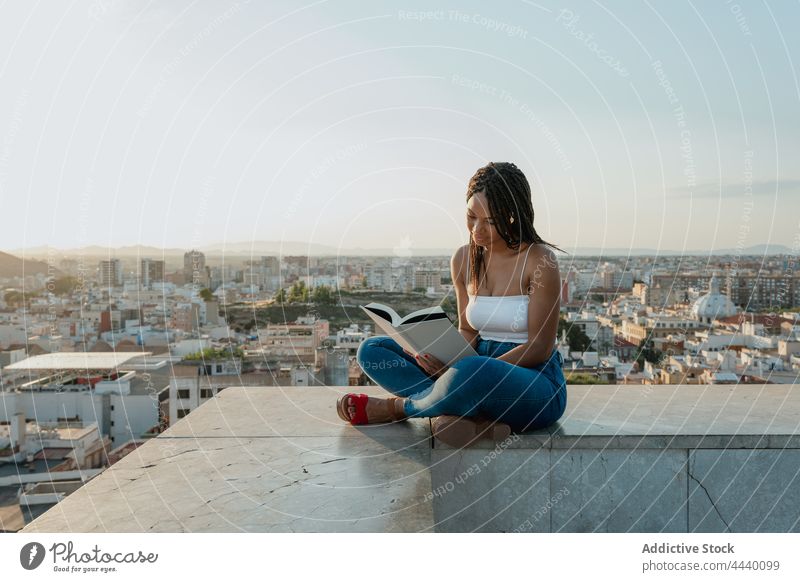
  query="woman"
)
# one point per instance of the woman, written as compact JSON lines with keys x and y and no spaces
{"x":508,"y":289}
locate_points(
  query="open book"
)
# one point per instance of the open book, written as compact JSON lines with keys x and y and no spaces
{"x":428,"y":330}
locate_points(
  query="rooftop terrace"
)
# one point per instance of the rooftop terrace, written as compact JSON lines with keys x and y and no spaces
{"x":623,"y":458}
{"x":76,"y":361}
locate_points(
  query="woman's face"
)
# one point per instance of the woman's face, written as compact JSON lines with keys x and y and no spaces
{"x":480,"y":223}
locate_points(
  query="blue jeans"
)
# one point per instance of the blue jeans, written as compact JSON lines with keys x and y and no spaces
{"x":479,"y":386}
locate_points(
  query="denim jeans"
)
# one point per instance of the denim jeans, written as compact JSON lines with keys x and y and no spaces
{"x":479,"y":386}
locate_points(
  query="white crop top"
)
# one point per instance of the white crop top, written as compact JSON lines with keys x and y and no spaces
{"x":499,"y":318}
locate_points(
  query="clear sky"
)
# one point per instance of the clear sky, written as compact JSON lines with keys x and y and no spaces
{"x":669,"y":125}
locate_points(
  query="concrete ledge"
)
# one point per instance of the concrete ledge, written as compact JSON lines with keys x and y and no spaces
{"x":762,"y":416}
{"x":635,"y":459}
{"x":267,"y":459}
{"x":623,"y":458}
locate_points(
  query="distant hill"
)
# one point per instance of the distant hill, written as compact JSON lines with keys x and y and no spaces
{"x":755,"y":250}
{"x":96,"y":251}
{"x":11,"y":266}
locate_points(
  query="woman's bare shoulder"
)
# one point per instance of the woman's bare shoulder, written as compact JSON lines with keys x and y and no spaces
{"x":458,"y":263}
{"x":460,"y":255}
{"x":544,"y":253}
{"x":541,"y":268}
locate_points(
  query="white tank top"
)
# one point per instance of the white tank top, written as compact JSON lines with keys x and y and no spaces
{"x":499,"y":318}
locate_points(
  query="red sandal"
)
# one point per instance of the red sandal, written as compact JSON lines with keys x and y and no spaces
{"x":360,"y":403}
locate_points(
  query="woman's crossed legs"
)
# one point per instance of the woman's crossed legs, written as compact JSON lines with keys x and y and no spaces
{"x":478,"y":386}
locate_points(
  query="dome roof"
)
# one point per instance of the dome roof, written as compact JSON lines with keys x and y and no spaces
{"x":713,"y":304}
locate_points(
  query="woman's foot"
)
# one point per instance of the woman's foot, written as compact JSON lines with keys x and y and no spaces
{"x":462,"y":431}
{"x":363,"y":409}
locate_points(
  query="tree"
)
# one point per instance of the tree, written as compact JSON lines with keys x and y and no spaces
{"x":649,"y":354}
{"x":323,"y":295}
{"x":212,"y":354}
{"x":582,"y":378}
{"x":206,"y":294}
{"x":298,"y":293}
{"x":577,"y":340}
{"x":280,"y":296}
{"x":64,"y":285}
{"x":16,"y":298}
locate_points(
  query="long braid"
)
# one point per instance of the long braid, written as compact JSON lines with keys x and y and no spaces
{"x":509,"y":194}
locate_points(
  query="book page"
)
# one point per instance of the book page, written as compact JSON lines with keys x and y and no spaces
{"x":377,"y":310}
{"x":428,"y":310}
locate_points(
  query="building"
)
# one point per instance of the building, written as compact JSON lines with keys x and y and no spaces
{"x":41,"y":463}
{"x":751,"y":290}
{"x":111,"y":273}
{"x":151,"y":271}
{"x":397,"y":276}
{"x":713,"y":305}
{"x":567,"y":290}
{"x":755,"y":291}
{"x":624,"y":350}
{"x":334,"y":365}
{"x":639,"y":328}
{"x":193,"y":382}
{"x":296,"y":342}
{"x":185,"y":393}
{"x":262,"y":273}
{"x":667,"y":289}
{"x":11,"y":357}
{"x":426,"y":279}
{"x":194,"y":269}
{"x":350,"y":338}
{"x":186,"y":317}
{"x":681,"y":370}
{"x":81,"y":388}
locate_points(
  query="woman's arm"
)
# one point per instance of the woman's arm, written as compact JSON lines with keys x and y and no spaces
{"x":458,"y":268}
{"x":471,"y":336}
{"x":544,"y":291}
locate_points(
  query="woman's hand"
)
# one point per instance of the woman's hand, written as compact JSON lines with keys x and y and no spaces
{"x":431,"y":365}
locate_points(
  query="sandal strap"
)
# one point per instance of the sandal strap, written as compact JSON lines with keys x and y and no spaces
{"x":360,"y":403}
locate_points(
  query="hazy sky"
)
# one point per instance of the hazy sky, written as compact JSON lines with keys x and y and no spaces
{"x":672,"y":125}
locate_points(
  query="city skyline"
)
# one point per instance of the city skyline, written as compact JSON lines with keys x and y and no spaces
{"x":298,"y":248}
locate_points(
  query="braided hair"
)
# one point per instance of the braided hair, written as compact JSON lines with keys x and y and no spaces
{"x":509,"y":196}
